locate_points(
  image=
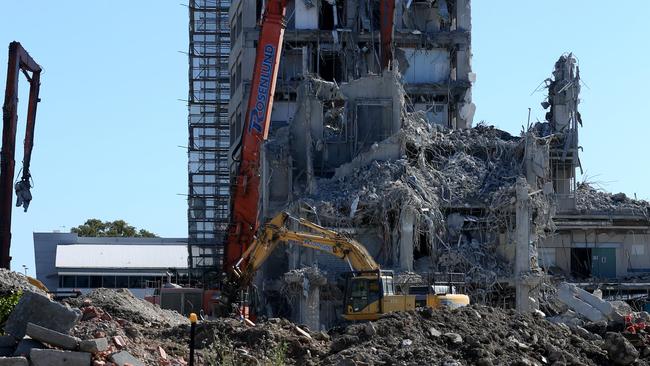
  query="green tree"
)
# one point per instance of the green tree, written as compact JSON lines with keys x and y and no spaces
{"x":120,"y":228}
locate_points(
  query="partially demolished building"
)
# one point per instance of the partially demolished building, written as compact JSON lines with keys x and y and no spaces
{"x":391,"y":158}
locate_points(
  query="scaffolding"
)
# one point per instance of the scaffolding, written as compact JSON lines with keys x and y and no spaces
{"x":209,"y":136}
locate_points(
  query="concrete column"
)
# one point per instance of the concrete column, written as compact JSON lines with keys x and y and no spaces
{"x":464,"y":15}
{"x":407,"y":230}
{"x":522,"y":247}
{"x":310,"y":308}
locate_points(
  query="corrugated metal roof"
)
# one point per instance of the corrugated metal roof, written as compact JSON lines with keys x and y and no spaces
{"x":121,"y":256}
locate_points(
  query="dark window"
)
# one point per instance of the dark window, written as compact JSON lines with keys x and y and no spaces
{"x":135,"y":282}
{"x":109,"y":281}
{"x":122,"y":281}
{"x":82,"y":281}
{"x":68,"y":281}
{"x":95,"y":281}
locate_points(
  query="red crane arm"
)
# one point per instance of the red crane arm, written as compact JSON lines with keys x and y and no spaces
{"x":245,"y":196}
{"x":19,"y":60}
{"x":386,"y":16}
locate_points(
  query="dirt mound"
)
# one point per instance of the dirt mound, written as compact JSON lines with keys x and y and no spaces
{"x":121,"y":303}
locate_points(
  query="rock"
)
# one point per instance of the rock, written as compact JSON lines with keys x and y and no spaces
{"x":539,"y":314}
{"x":51,"y":337}
{"x":38,"y":309}
{"x":343,"y":342}
{"x":599,"y":328}
{"x":119,"y":342}
{"x":370,"y":330}
{"x":435,"y":333}
{"x":485,"y":361}
{"x":582,"y":332}
{"x":519,"y":344}
{"x":13,"y":361}
{"x":163,"y":354}
{"x":26,"y":345}
{"x":450,"y":363}
{"x":406,"y":342}
{"x":322,"y":336}
{"x":454,"y":338}
{"x":52,"y":357}
{"x":94,"y":345}
{"x":619,"y":350}
{"x":124,"y":358}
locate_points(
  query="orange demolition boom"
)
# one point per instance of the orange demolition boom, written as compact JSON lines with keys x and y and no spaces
{"x":246,"y":194}
{"x":245,"y":197}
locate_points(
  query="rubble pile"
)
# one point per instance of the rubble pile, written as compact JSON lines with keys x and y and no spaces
{"x":474,"y":335}
{"x":121,"y":303}
{"x":590,"y":199}
{"x":14,"y":281}
{"x":442,"y":171}
{"x":117,"y":329}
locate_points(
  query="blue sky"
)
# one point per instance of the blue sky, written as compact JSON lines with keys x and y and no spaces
{"x":112,"y":117}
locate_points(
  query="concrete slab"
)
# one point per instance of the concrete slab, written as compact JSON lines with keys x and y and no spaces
{"x":26,"y":345}
{"x":38,"y":309}
{"x":51,"y":337}
{"x":13,"y":361}
{"x":94,"y":345}
{"x":53,"y":357}
{"x":122,"y":358}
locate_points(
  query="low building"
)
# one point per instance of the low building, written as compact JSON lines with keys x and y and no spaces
{"x":67,"y":262}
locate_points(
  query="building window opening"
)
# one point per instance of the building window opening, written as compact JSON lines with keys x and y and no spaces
{"x":67,"y":281}
{"x":82,"y":282}
{"x":329,"y":67}
{"x":121,"y":282}
{"x":95,"y":281}
{"x":581,"y":262}
{"x":326,"y":16}
{"x":108,"y":281}
{"x":423,"y":249}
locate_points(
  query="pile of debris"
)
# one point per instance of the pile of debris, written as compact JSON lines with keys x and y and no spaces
{"x":44,"y":332}
{"x":14,"y":282}
{"x":441,"y":173}
{"x":474,"y":335}
{"x":589,"y":199}
{"x":117,"y":330}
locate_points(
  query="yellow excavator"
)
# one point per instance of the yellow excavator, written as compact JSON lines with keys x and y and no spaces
{"x":369,"y":290}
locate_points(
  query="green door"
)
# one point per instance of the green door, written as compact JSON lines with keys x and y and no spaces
{"x":603,"y":262}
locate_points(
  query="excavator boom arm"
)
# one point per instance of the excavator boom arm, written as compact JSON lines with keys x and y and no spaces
{"x":19,"y":61}
{"x":325,"y":240}
{"x":245,"y":194}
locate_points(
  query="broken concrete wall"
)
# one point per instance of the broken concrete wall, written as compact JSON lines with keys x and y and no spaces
{"x":420,"y":66}
{"x":306,"y":15}
{"x":629,"y":247}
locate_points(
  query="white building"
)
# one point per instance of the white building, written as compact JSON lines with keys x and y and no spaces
{"x":67,"y":262}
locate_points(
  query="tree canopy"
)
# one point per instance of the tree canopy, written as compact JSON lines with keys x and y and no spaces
{"x":119,"y":228}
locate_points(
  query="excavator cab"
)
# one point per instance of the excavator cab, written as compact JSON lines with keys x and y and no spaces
{"x":368,"y":294}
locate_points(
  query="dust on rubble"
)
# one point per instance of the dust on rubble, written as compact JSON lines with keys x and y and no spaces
{"x":474,"y":335}
{"x":122,"y":303}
